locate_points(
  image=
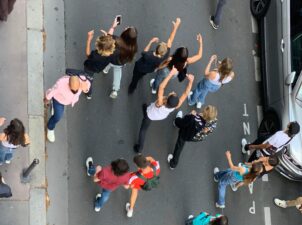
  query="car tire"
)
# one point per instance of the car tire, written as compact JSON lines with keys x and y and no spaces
{"x":269,"y":125}
{"x":259,"y":8}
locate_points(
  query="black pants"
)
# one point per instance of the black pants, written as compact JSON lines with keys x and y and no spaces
{"x":137,"y":75}
{"x":258,"y":141}
{"x":144,"y":126}
{"x":180,"y":143}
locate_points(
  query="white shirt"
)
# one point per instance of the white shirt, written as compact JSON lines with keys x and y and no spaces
{"x":278,"y":140}
{"x":224,"y":81}
{"x":158,"y":113}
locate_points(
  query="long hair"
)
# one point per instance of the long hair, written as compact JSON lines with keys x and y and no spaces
{"x":178,"y":60}
{"x":127,"y":44}
{"x":15,"y":132}
{"x":254,"y":172}
{"x":225,"y":68}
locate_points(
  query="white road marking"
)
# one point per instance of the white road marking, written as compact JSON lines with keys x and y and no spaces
{"x":252,"y":209}
{"x":251,"y":186}
{"x":254,"y":25}
{"x":259,"y":114}
{"x":245,"y":111}
{"x":265,"y":178}
{"x":267,"y":216}
{"x":246,"y":128}
{"x":257,"y":68}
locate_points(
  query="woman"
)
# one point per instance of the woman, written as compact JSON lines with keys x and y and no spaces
{"x":14,"y":135}
{"x":233,"y":175}
{"x":205,"y":219}
{"x":126,"y":46}
{"x":212,"y":81}
{"x":180,"y":60}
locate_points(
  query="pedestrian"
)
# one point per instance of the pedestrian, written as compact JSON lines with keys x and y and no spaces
{"x":5,"y":190}
{"x":192,"y":127}
{"x":150,"y":60}
{"x":146,"y":178}
{"x":266,"y":145}
{"x":212,"y":81}
{"x":161,"y":108}
{"x":290,"y":203}
{"x":216,"y":18}
{"x":126,"y":45}
{"x":13,"y":136}
{"x":66,"y":91}
{"x":206,"y":219}
{"x":180,"y":60}
{"x":234,"y":175}
{"x":6,"y":7}
{"x":109,"y":178}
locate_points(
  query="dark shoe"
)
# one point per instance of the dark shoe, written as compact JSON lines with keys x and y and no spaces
{"x":136,"y":148}
{"x":215,"y":26}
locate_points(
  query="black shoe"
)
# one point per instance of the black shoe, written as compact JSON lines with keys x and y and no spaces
{"x":215,"y":26}
{"x":136,"y":148}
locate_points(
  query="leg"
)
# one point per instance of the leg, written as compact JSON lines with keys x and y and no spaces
{"x":193,"y":99}
{"x":58,"y":113}
{"x":177,"y":150}
{"x":117,"y":76}
{"x":107,"y":68}
{"x":160,"y":76}
{"x":136,"y":77}
{"x":218,"y":13}
{"x":99,"y":202}
{"x":221,"y":193}
{"x":142,"y":133}
{"x":296,"y":202}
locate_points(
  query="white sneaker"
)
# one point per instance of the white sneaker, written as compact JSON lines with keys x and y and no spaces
{"x":170,"y":157}
{"x":7,"y":161}
{"x":151,"y":82}
{"x":233,"y":187}
{"x":216,"y":170}
{"x":89,"y":162}
{"x":129,"y":211}
{"x":199,"y":104}
{"x":220,"y":206}
{"x":179,"y":114}
{"x":280,"y":203}
{"x":97,"y":209}
{"x":51,"y":135}
{"x":190,"y":217}
{"x":113,"y":94}
{"x":105,"y":71}
{"x":243,"y":144}
{"x":189,"y":98}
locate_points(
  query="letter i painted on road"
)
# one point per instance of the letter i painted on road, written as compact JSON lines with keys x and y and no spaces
{"x":245,"y":111}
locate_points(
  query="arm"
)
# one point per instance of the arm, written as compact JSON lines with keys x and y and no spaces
{"x":230,"y":162}
{"x":184,"y":96}
{"x":96,"y":175}
{"x":208,"y":68}
{"x":88,"y":42}
{"x":27,"y":140}
{"x":173,"y":33}
{"x":134,"y":194}
{"x":261,"y":146}
{"x":114,"y":24}
{"x":197,"y":57}
{"x":153,"y":40}
{"x":2,"y":120}
{"x":150,"y":159}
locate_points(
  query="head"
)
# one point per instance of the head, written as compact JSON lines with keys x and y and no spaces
{"x":105,"y":45}
{"x":179,"y":58}
{"x":15,"y":132}
{"x":222,"y":220}
{"x":225,"y":67}
{"x":127,"y":44}
{"x":129,"y":36}
{"x":254,"y":172}
{"x":161,"y":49}
{"x":74,"y":84}
{"x":140,"y":161}
{"x":273,"y":160}
{"x":293,"y":128}
{"x":119,"y":167}
{"x":172,"y":100}
{"x":209,"y":113}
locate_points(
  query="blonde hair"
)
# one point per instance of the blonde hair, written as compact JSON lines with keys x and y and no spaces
{"x":209,"y":113}
{"x":161,"y":49}
{"x":105,"y":45}
{"x":225,"y":68}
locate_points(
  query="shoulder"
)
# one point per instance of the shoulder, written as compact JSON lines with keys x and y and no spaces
{"x":212,"y":74}
{"x":2,"y":137}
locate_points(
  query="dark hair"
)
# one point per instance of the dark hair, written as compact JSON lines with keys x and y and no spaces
{"x":127,"y":44}
{"x":119,"y":167}
{"x":273,"y":160}
{"x":222,"y":220}
{"x":225,"y":68}
{"x":254,"y":172}
{"x":172,"y":101}
{"x":15,"y":132}
{"x":179,"y":59}
{"x":141,"y":161}
{"x":293,"y":128}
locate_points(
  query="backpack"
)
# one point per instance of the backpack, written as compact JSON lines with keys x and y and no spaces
{"x":78,"y":73}
{"x":149,"y":183}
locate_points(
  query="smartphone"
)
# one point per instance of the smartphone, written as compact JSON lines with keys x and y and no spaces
{"x":119,"y":19}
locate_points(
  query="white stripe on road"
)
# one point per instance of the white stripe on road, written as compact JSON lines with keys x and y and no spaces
{"x":251,"y":186}
{"x":254,"y":25}
{"x":257,"y":68}
{"x":267,"y":216}
{"x":259,"y":114}
{"x":265,"y":178}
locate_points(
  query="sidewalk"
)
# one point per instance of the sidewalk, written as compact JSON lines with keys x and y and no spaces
{"x":21,"y":88}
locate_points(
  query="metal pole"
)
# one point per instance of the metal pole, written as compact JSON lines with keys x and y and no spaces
{"x":26,"y":172}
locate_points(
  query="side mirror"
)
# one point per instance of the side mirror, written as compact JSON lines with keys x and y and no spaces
{"x":290,"y":78}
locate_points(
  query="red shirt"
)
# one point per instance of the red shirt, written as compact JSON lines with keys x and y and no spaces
{"x":109,"y":181}
{"x":137,"y":182}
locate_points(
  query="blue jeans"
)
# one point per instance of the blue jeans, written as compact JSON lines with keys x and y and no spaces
{"x":225,"y":178}
{"x":160,"y":76}
{"x":218,"y":13}
{"x":5,"y":153}
{"x":200,"y":92}
{"x":58,"y":113}
{"x":103,"y":199}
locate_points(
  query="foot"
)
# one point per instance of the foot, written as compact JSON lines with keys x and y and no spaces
{"x":280,"y":203}
{"x":113,"y":94}
{"x":136,"y":148}
{"x":51,"y":135}
{"x":170,"y":157}
{"x":128,"y":210}
{"x":190,"y":217}
{"x":97,"y":209}
{"x":215,"y":26}
{"x":189,"y":99}
{"x":220,"y":206}
{"x":105,"y":71}
{"x":88,"y":96}
{"x":89,"y":163}
{"x":216,"y":170}
{"x":7,"y":161}
{"x":151,"y":85}
{"x":234,"y":188}
{"x":243,"y":144}
{"x":199,"y":104}
{"x":179,"y":114}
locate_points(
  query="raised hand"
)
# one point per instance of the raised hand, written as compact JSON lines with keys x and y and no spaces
{"x":155,"y":39}
{"x":176,"y":22}
{"x":228,"y":154}
{"x":90,"y":34}
{"x":199,"y":38}
{"x":190,"y":77}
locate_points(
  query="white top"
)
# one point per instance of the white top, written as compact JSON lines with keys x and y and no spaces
{"x":9,"y":145}
{"x":158,"y":113}
{"x":224,"y":81}
{"x":278,"y":140}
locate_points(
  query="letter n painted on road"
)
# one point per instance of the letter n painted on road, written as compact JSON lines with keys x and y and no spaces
{"x":246,"y":128}
{"x":252,"y":209}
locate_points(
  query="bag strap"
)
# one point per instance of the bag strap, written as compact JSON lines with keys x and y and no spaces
{"x":141,"y":176}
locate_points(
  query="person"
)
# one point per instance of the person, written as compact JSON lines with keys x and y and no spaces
{"x":13,"y":136}
{"x":6,"y":7}
{"x":150,"y":60}
{"x":109,"y":178}
{"x":212,"y":81}
{"x":148,"y":168}
{"x":5,"y":190}
{"x":234,"y":175}
{"x":66,"y":91}
{"x":216,"y":18}
{"x":289,"y":203}
{"x":180,"y":60}
{"x":126,"y":45}
{"x":206,"y":219}
{"x":266,"y":145}
{"x":161,"y":108}
{"x":192,"y":127}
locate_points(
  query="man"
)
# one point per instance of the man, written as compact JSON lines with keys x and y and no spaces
{"x":148,"y":168}
{"x":264,"y":146}
{"x":284,"y":204}
{"x":66,"y":91}
{"x":150,"y":60}
{"x":108,"y":178}
{"x":160,"y":109}
{"x":215,"y":20}
{"x":5,"y":191}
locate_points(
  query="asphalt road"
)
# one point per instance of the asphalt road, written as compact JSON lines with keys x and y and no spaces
{"x":106,"y":129}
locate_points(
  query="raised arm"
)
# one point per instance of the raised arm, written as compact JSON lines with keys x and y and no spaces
{"x":198,"y":56}
{"x":162,"y":86}
{"x":153,"y":40}
{"x":176,"y":24}
{"x":208,"y":68}
{"x":111,"y":29}
{"x":88,"y":42}
{"x":230,"y":162}
{"x":184,"y":96}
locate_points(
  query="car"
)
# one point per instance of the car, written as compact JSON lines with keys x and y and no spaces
{"x":280,"y":52}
